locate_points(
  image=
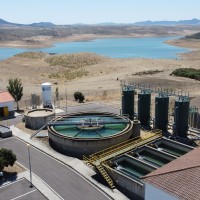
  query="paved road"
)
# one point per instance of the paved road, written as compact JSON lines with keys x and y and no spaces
{"x":92,"y":107}
{"x":64,"y":181}
{"x":20,"y":190}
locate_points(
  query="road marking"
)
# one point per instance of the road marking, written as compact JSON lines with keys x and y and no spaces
{"x":12,"y":183}
{"x":69,"y":167}
{"x":24,"y":194}
{"x":65,"y":165}
{"x":34,"y":173}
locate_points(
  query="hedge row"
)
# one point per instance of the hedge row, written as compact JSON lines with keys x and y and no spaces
{"x":187,"y":72}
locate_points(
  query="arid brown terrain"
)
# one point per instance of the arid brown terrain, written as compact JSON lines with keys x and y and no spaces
{"x":99,"y":78}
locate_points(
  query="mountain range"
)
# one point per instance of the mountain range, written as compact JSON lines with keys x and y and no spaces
{"x":169,"y":23}
{"x":40,"y":24}
{"x":142,"y":23}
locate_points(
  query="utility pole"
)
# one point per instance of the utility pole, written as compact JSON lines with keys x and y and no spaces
{"x":66,"y":99}
{"x":29,"y":158}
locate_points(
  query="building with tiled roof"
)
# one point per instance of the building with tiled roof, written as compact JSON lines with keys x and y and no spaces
{"x":6,"y":103}
{"x":179,"y":179}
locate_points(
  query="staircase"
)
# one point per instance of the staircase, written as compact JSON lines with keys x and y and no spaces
{"x":105,"y":176}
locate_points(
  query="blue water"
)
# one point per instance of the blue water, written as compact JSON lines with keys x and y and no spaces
{"x":106,"y":131}
{"x":112,"y":47}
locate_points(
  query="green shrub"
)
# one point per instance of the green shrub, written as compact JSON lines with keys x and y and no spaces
{"x":148,"y":72}
{"x":78,"y":96}
{"x":7,"y":157}
{"x":187,"y":72}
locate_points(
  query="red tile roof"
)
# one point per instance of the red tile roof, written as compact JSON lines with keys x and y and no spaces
{"x":5,"y":97}
{"x":180,"y":178}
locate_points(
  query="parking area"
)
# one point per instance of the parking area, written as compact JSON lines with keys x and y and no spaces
{"x":20,"y":190}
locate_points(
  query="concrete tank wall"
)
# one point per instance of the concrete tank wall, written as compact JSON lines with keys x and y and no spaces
{"x":130,"y":187}
{"x":35,"y":119}
{"x":82,"y":146}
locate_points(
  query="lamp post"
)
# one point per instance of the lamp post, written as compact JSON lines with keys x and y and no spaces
{"x":29,"y":158}
{"x":66,"y":98}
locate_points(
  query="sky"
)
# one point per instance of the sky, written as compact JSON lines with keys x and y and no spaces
{"x":97,"y":11}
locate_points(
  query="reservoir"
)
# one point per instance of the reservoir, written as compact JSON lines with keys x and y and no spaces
{"x":152,"y":47}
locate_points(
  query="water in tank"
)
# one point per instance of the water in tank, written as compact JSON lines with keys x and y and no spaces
{"x":181,"y":115}
{"x":46,"y":95}
{"x":144,"y":108}
{"x":128,"y":102}
{"x":161,"y":112}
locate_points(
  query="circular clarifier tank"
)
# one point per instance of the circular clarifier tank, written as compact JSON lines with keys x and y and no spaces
{"x":86,"y":133}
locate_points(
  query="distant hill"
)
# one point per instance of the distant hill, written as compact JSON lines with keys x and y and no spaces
{"x":143,"y":23}
{"x":40,"y":24}
{"x":5,"y":23}
{"x":168,"y":23}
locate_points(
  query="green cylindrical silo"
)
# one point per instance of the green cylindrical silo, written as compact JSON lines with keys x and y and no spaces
{"x":144,"y":107}
{"x":181,"y":115}
{"x":193,"y":117}
{"x":128,"y":103}
{"x":161,"y":112}
{"x":198,"y":121}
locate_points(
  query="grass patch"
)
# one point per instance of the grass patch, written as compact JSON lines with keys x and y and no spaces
{"x":187,"y":72}
{"x":33,"y":55}
{"x":148,"y":72}
{"x":68,"y":74}
{"x":74,"y":60}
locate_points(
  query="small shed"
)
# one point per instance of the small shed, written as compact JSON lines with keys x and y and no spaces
{"x":6,"y":104}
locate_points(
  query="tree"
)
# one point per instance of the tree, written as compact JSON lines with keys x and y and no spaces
{"x":7,"y":157}
{"x":57,"y":94}
{"x":16,"y":89}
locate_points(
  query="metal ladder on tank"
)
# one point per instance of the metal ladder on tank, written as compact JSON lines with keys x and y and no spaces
{"x":98,"y":165}
{"x":105,"y":175}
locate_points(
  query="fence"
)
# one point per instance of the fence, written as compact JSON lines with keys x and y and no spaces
{"x":90,"y":95}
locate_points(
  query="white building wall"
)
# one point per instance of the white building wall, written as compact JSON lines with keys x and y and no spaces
{"x":9,"y":104}
{"x":153,"y":193}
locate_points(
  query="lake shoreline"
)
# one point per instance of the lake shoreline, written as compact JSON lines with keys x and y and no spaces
{"x":136,"y":50}
{"x":49,"y":41}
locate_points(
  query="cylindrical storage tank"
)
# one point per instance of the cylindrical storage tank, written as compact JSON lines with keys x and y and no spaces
{"x":194,"y":119}
{"x":37,"y":118}
{"x":128,"y":103}
{"x":144,"y":108}
{"x":198,"y":121}
{"x":190,"y":119}
{"x":46,"y":95}
{"x":136,"y":129}
{"x":181,"y":115}
{"x":161,"y":112}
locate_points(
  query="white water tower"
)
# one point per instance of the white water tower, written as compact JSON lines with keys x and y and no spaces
{"x":46,"y":95}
